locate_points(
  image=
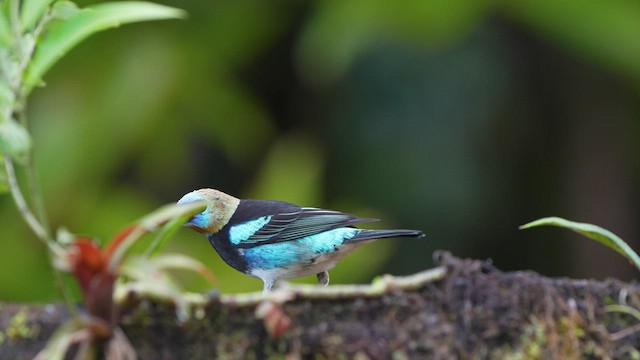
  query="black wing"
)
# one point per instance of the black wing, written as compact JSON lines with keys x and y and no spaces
{"x":287,"y":221}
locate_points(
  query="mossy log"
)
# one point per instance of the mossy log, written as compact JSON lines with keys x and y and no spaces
{"x":461,"y":309}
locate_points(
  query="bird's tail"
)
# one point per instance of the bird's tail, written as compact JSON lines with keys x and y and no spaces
{"x":380,"y":234}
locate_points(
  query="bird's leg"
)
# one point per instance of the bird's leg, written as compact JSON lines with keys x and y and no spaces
{"x":323,"y":278}
{"x":268,"y":284}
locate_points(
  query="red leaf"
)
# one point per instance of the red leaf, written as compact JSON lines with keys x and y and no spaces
{"x":116,"y":242}
{"x":89,"y":266}
{"x":87,"y":261}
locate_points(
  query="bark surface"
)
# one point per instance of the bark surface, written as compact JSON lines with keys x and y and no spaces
{"x":466,"y":309}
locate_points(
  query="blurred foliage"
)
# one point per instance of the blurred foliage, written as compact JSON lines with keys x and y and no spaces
{"x":463,"y":119}
{"x":594,"y":232}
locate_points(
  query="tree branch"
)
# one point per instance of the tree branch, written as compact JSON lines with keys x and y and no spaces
{"x":462,"y":309}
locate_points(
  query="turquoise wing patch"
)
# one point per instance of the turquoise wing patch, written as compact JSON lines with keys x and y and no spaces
{"x":241,"y":232}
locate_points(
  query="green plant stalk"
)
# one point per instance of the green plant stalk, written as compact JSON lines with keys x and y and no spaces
{"x":21,"y":203}
{"x":39,"y":223}
{"x":38,"y":229}
{"x":33,"y":185}
{"x":21,"y":94}
{"x":19,"y":105}
{"x":35,"y":193}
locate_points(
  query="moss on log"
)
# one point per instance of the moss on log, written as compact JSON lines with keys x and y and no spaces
{"x":462,"y":309}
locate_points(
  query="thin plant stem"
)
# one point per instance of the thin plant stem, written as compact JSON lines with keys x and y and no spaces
{"x":21,"y":203}
{"x":38,"y":229}
{"x":35,"y":190}
{"x":38,"y":222}
{"x":64,"y":290}
{"x":36,"y":195}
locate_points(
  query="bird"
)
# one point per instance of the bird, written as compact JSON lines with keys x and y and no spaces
{"x":277,"y":240}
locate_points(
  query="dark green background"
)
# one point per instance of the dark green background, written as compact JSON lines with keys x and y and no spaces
{"x":464,"y":119}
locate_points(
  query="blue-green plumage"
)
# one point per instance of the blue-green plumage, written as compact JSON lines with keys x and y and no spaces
{"x":304,"y":250}
{"x":275,"y":240}
{"x":242,"y":232}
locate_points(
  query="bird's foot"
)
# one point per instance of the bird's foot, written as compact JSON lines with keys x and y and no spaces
{"x":267,"y":286}
{"x":323,"y":278}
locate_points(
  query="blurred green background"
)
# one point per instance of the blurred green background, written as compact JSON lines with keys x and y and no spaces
{"x":464,"y":119}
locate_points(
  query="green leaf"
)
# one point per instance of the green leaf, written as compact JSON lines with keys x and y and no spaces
{"x":148,"y":280}
{"x":166,"y":232}
{"x":624,"y":309}
{"x":14,"y":140}
{"x":594,"y":232}
{"x":62,"y":339}
{"x":64,"y":35}
{"x":606,"y":31}
{"x":293,"y":154}
{"x":338,"y":32}
{"x":31,"y":12}
{"x":152,"y":222}
{"x":183,"y":262}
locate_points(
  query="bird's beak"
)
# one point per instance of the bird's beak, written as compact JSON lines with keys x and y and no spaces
{"x":197,"y":228}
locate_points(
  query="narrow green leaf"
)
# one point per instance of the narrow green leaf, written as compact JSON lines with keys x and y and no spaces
{"x":62,"y":339}
{"x":165,"y":214}
{"x":64,"y":35}
{"x":165,"y":233}
{"x":624,"y":309}
{"x":31,"y":12}
{"x":150,"y":281}
{"x":606,"y":31}
{"x":594,"y":232}
{"x":14,"y":140}
{"x":183,"y":262}
{"x":152,"y":222}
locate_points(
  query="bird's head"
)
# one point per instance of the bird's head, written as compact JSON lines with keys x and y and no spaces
{"x":220,"y":208}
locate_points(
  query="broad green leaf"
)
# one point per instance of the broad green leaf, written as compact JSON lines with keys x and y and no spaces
{"x":14,"y":140}
{"x":338,"y":32}
{"x":594,"y":232}
{"x":31,"y":12}
{"x":152,"y":222}
{"x":296,"y":155}
{"x":607,"y":31}
{"x":64,"y":35}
